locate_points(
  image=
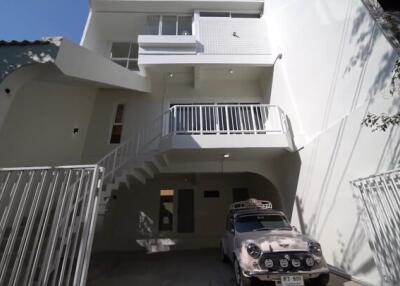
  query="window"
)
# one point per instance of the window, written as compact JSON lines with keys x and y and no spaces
{"x":153,"y":24}
{"x":260,"y":222}
{"x":211,"y":194}
{"x":116,"y":130}
{"x":230,"y":15}
{"x":171,"y":25}
{"x":125,"y":54}
{"x":166,"y":215}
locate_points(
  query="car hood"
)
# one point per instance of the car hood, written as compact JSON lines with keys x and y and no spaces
{"x":275,"y":240}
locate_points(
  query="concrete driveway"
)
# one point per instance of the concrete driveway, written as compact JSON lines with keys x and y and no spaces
{"x":178,"y":268}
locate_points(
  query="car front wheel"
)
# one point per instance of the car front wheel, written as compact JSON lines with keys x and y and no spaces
{"x":240,"y":279}
{"x":224,"y":258}
{"x":321,"y":280}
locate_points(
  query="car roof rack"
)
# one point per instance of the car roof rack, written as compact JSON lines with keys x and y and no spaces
{"x":251,"y":204}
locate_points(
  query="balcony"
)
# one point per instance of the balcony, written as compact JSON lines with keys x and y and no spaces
{"x":226,"y":126}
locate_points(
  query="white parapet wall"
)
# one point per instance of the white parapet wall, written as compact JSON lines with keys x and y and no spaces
{"x":336,"y":67}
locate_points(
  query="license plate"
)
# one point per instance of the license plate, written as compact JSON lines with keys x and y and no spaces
{"x":291,"y":281}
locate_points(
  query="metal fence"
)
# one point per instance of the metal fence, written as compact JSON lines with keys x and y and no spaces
{"x":226,"y":119}
{"x":47,"y":220}
{"x":379,"y":199}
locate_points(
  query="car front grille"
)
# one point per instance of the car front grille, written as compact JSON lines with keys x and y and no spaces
{"x":276,"y":257}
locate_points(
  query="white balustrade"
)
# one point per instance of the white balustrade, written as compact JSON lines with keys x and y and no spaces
{"x":379,"y":203}
{"x":226,"y":119}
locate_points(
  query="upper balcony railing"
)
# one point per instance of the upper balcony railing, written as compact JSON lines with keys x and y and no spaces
{"x":224,"y":119}
{"x":195,"y":120}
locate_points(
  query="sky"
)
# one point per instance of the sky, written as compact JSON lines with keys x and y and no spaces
{"x":34,"y":19}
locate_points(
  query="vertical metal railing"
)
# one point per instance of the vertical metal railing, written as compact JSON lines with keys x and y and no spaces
{"x":226,"y":119}
{"x":379,"y":199}
{"x":47,"y":224}
{"x":218,"y":119}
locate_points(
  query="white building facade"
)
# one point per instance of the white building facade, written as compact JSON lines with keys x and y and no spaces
{"x":192,"y":105}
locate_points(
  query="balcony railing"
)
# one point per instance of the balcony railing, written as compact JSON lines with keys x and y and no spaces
{"x":225,"y":119}
{"x":379,"y":202}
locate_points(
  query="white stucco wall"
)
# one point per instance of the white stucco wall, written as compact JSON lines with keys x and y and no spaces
{"x":38,"y":127}
{"x":336,"y":67}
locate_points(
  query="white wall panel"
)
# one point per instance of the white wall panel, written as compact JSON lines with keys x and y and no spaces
{"x":216,"y":36}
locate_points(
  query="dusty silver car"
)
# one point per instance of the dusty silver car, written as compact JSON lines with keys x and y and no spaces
{"x":262,"y":245}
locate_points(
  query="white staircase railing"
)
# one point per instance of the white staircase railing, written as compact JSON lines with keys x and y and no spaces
{"x":379,"y":200}
{"x":47,"y":224}
{"x":218,"y":119}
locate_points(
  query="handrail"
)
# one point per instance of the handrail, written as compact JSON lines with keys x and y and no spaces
{"x":204,"y":119}
{"x":378,"y":198}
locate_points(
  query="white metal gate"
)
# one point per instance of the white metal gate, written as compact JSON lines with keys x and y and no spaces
{"x":47,"y":220}
{"x":379,"y":198}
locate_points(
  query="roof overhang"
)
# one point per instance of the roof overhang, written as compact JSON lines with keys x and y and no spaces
{"x":72,"y":60}
{"x":181,"y":6}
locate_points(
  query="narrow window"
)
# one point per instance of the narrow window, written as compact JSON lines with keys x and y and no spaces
{"x":116,"y":130}
{"x":185,"y":211}
{"x":166,"y":215}
{"x":211,"y":194}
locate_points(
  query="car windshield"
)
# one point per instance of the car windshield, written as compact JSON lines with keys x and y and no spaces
{"x":259,"y":222}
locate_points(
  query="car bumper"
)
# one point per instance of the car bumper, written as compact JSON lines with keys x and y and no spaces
{"x":264,"y":275}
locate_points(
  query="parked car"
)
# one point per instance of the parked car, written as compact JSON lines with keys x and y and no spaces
{"x":261,"y":244}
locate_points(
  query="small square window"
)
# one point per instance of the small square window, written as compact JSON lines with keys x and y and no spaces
{"x":211,"y":194}
{"x":120,"y":50}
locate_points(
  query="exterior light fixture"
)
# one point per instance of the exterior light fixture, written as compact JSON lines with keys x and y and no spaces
{"x":231,"y":71}
{"x":226,"y":156}
{"x":171,"y":75}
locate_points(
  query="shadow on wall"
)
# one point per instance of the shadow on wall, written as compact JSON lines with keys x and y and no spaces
{"x":347,"y":254}
{"x":365,"y":39}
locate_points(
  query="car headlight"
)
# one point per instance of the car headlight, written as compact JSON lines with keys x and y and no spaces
{"x":269,"y":263}
{"x":314,"y":248}
{"x":310,"y":261}
{"x":253,"y":250}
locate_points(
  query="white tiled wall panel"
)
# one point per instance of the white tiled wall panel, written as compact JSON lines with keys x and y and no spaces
{"x":216,"y":36}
